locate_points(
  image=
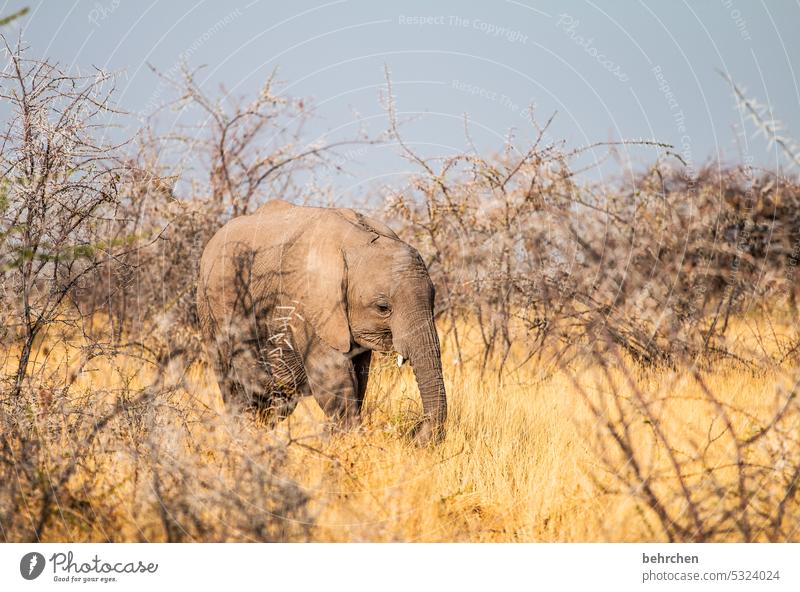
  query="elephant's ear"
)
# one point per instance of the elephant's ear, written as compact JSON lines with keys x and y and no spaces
{"x":325,"y":304}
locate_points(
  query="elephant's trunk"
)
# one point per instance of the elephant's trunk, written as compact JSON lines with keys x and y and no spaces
{"x":420,"y":344}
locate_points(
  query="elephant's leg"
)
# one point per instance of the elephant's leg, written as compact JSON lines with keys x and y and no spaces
{"x":247,"y":378}
{"x":220,"y":352}
{"x":288,"y":384}
{"x":274,"y":407}
{"x":333,"y":382}
{"x":361,"y":364}
{"x":258,"y":373}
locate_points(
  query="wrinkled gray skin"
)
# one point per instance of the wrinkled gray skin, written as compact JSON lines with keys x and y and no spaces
{"x":293,"y":301}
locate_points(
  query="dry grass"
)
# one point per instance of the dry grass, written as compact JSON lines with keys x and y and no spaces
{"x":519,"y":464}
{"x":525,"y":460}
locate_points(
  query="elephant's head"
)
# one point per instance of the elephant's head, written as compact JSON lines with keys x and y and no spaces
{"x":373,"y":290}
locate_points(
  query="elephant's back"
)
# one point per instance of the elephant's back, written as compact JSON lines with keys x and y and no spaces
{"x":232,"y":237}
{"x":274,"y":206}
{"x":245,"y":247}
{"x":253,"y":233}
{"x":221,"y":263}
{"x":277,"y":238}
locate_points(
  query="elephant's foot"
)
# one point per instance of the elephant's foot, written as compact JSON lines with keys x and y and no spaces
{"x":272,"y":408}
{"x":343,"y":425}
{"x":427,"y":432}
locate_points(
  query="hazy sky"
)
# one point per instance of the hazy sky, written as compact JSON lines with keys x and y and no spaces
{"x":611,"y":69}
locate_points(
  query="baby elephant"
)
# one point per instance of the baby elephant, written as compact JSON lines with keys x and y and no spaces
{"x":293,"y":301}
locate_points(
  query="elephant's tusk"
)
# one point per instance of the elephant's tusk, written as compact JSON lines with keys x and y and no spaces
{"x":400,"y":360}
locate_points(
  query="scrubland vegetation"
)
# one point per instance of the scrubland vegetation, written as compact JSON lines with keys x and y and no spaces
{"x":621,"y":358}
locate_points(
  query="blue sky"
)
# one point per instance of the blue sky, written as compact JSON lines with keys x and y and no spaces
{"x":611,"y":70}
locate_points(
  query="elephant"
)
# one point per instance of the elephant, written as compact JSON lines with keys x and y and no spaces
{"x":292,"y":301}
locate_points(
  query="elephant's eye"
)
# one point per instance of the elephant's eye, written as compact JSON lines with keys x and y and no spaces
{"x":383,"y":307}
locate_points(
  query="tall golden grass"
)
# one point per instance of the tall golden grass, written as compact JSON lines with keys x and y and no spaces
{"x":524,"y":459}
